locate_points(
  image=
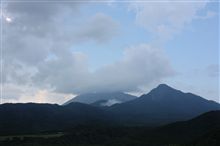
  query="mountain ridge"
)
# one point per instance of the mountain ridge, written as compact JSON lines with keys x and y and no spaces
{"x":90,"y":98}
{"x":162,"y":105}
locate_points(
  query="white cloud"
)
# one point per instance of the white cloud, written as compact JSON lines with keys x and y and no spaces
{"x":166,"y":19}
{"x":140,"y":66}
{"x":18,"y":94}
{"x":99,"y":28}
{"x":45,"y":96}
{"x":110,"y":102}
{"x":212,"y":70}
{"x":40,"y":38}
{"x":65,"y":74}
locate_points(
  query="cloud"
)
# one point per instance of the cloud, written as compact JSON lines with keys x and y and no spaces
{"x":165,"y":20}
{"x":38,"y":19}
{"x":65,"y":74}
{"x":40,"y":61}
{"x":13,"y":94}
{"x":110,"y":102}
{"x":140,"y":66}
{"x":99,"y":28}
{"x":40,"y":37}
{"x":42,"y":30}
{"x":212,"y":70}
{"x":45,"y":96}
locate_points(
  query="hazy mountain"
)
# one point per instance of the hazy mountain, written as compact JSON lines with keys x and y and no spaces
{"x":113,"y":97}
{"x":163,"y":105}
{"x":160,"y":106}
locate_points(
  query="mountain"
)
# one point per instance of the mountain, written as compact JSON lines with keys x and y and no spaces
{"x":111,"y":97}
{"x":163,"y":105}
{"x":33,"y":118}
{"x":203,"y":130}
{"x":160,"y":106}
{"x":192,"y":130}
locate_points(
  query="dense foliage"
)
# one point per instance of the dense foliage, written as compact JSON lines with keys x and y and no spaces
{"x":201,"y":131}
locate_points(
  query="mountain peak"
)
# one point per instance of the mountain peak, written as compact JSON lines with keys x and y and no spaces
{"x":163,"y":86}
{"x":164,"y":92}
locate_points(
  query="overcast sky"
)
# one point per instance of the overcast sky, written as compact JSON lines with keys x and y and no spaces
{"x":54,"y":50}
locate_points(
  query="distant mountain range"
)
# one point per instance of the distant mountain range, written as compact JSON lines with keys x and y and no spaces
{"x":160,"y":106}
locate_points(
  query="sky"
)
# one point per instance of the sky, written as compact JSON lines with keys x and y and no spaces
{"x":52,"y":50}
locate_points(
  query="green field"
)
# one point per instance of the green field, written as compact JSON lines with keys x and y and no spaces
{"x":49,"y":135}
{"x":120,"y":136}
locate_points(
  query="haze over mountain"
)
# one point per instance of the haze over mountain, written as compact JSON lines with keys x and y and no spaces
{"x":163,"y":104}
{"x":160,"y":106}
{"x":108,"y":98}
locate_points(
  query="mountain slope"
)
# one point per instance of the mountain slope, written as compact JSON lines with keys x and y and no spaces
{"x":203,"y":130}
{"x":191,"y":130}
{"x":160,"y":106}
{"x":90,"y":98}
{"x":33,"y":118}
{"x":163,"y":105}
